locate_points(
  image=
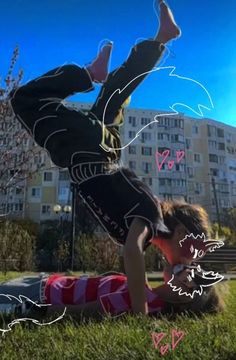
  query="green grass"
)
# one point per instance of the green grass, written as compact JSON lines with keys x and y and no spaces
{"x":209,"y":338}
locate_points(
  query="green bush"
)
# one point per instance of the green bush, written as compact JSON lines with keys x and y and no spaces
{"x":17,"y":247}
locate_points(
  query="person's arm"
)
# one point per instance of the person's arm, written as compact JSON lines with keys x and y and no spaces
{"x":135,"y":265}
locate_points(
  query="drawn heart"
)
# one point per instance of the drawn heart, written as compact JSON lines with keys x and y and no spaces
{"x":179,"y":155}
{"x":165,"y":155}
{"x":176,"y":336}
{"x":164,"y":349}
{"x":156,"y":338}
{"x":170,"y":164}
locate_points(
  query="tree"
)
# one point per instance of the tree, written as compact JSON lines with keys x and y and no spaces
{"x":19,"y":157}
{"x":96,"y":253}
{"x":226,"y":233}
{"x":230,"y":219}
{"x":62,"y":253}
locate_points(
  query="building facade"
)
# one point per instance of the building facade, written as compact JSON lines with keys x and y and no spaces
{"x":179,"y":157}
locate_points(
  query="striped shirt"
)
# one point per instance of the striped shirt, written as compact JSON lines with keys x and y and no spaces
{"x":111,"y":291}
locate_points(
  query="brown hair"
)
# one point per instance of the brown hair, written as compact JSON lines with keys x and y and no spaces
{"x":193,"y":217}
{"x":210,"y":301}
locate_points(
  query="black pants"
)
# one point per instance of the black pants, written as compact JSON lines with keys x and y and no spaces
{"x":65,"y":132}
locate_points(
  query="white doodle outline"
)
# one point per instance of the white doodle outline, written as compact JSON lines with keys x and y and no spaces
{"x":215,"y":276}
{"x":172,"y":107}
{"x":22,"y":298}
{"x":211,"y":244}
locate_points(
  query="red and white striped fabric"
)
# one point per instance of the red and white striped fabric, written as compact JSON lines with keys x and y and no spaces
{"x":111,"y":291}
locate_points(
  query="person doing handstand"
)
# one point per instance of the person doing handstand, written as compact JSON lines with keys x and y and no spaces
{"x":89,"y":145}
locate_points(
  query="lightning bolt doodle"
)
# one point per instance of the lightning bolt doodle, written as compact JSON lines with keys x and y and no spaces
{"x":172,"y":73}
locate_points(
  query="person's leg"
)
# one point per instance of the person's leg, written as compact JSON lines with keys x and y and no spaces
{"x":61,"y":131}
{"x":28,"y":286}
{"x":124,"y":80}
{"x":40,"y":98}
{"x":36,"y":104}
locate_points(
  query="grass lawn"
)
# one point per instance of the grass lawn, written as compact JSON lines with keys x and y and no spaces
{"x":209,"y":338}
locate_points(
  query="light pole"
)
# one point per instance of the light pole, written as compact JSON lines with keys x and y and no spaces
{"x":70,"y":209}
{"x":73,"y":188}
{"x":58,"y":209}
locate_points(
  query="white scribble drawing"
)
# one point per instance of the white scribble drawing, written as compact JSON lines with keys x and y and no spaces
{"x":200,"y":107}
{"x":208,"y":278}
{"x":208,"y":244}
{"x":21,"y":299}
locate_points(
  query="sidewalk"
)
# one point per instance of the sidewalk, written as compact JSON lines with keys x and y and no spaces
{"x":158,"y":276}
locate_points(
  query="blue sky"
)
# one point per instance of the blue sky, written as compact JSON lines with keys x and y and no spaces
{"x":52,"y":32}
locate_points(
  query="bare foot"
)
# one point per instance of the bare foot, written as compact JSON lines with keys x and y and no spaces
{"x":98,"y":69}
{"x":168,"y":30}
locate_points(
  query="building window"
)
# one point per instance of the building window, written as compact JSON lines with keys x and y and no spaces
{"x":195,"y":129}
{"x":222,"y":160}
{"x":163,"y":136}
{"x":162,"y":149}
{"x":47,"y":176}
{"x":132,"y":149}
{"x":197,"y":158}
{"x":220,"y":132}
{"x":167,"y":196}
{"x":188,"y":143}
{"x":132,"y":165}
{"x":64,"y":175}
{"x":132,"y":120}
{"x":221,"y":146}
{"x":19,"y":190}
{"x":161,"y":182}
{"x":213,"y":158}
{"x":179,"y":167}
{"x":146,"y":150}
{"x":146,"y":167}
{"x":177,"y":138}
{"x":178,"y":123}
{"x":198,"y":187}
{"x":230,"y":150}
{"x":225,"y":203}
{"x":146,"y":136}
{"x":212,"y":144}
{"x":190,"y":171}
{"x":46,"y":209}
{"x":63,"y":193}
{"x":228,"y":137}
{"x":36,"y":192}
{"x":211,"y":130}
{"x":167,"y":122}
{"x":145,"y":121}
{"x":132,"y":134}
{"x":214,"y":172}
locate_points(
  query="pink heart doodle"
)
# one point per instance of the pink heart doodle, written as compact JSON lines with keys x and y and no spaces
{"x":157,"y":337}
{"x":164,"y":349}
{"x":165,"y":155}
{"x":179,"y":155}
{"x":176,"y":334}
{"x":170,"y":164}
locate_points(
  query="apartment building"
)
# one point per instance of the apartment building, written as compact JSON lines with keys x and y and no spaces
{"x":151,"y":142}
{"x":205,"y":175}
{"x":154,"y":137}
